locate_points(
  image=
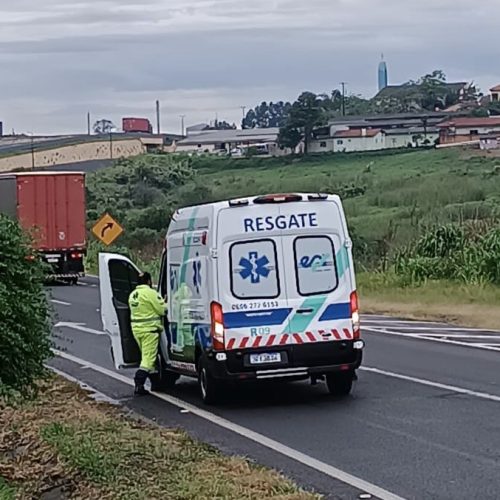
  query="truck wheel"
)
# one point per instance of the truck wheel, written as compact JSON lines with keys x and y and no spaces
{"x":340,"y":384}
{"x":209,"y":388}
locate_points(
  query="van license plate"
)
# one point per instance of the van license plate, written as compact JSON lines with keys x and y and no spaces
{"x":266,"y":357}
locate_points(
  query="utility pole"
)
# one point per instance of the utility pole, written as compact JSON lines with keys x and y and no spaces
{"x":88,"y":123}
{"x":243,"y":109}
{"x":32,"y":152}
{"x":158,"y":128}
{"x":182,"y":124}
{"x":343,"y":97}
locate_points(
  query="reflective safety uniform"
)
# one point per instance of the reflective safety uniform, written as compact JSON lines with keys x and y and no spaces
{"x":147,"y":309}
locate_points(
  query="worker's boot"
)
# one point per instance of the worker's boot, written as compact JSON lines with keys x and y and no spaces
{"x":140,"y":379}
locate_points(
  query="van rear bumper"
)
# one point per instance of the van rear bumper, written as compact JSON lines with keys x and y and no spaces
{"x":298,"y":361}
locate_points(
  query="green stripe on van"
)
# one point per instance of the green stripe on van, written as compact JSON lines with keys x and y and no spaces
{"x":300,"y":322}
{"x":342,"y":259}
{"x":185,"y":258}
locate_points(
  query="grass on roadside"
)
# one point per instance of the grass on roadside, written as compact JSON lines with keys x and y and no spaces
{"x":6,"y":491}
{"x":66,"y":442}
{"x":468,"y":305}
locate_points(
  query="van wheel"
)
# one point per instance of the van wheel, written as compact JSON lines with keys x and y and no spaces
{"x":209,"y":388}
{"x":164,"y":381}
{"x":340,"y":384}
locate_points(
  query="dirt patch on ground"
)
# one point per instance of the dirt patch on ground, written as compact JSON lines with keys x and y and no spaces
{"x":472,"y":315}
{"x":65,"y":445}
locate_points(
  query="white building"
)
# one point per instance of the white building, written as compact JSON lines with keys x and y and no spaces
{"x":410,"y":137}
{"x":349,"y":141}
{"x":226,"y":140}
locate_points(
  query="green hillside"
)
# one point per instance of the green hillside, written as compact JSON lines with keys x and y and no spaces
{"x":389,"y":198}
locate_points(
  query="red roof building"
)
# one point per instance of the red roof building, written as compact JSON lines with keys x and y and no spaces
{"x":354,"y":133}
{"x":459,"y":130}
{"x":495,"y":93}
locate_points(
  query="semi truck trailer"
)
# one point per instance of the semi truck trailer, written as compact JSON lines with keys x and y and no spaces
{"x":50,"y":206}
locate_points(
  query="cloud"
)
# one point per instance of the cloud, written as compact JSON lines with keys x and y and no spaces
{"x":115,"y":57}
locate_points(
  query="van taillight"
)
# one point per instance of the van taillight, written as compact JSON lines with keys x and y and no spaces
{"x":355,"y":315}
{"x":204,"y":238}
{"x":278,"y":198}
{"x":217,"y":326}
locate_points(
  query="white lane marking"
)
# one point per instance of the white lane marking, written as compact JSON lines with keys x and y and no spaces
{"x":79,"y":326}
{"x":397,"y":322}
{"x":453,"y":336}
{"x":437,"y":385}
{"x":100,"y":396}
{"x":448,"y":328}
{"x":431,"y":339}
{"x":81,"y":283}
{"x":298,"y":456}
{"x":60,"y":302}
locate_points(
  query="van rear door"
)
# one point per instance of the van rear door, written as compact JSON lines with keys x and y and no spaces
{"x":318,"y":279}
{"x":251,"y":286}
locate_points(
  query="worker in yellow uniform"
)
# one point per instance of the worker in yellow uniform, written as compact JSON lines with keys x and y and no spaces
{"x":147,"y":309}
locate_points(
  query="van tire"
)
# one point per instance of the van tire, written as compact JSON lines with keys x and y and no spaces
{"x":210,"y":390}
{"x":164,"y":379}
{"x":340,"y":384}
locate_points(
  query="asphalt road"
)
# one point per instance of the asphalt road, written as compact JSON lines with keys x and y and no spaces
{"x":422,"y":422}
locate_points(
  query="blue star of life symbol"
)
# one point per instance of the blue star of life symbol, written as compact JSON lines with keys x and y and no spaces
{"x":197,"y":274}
{"x":254,"y":267}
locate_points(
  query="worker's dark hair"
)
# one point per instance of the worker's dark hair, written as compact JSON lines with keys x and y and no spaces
{"x":145,"y":279}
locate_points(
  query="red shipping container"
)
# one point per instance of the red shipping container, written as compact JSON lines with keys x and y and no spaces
{"x":137,"y":125}
{"x":51,"y":206}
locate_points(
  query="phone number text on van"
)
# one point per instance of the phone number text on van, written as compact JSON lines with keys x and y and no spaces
{"x":270,"y":223}
{"x":255,"y":305}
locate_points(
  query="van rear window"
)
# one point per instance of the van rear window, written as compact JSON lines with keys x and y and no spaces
{"x":315,"y":266}
{"x":254,"y":270}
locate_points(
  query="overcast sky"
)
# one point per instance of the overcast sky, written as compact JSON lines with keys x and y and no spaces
{"x":62,"y":58}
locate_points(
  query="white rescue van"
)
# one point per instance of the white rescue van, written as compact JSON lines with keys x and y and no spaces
{"x":258,"y":288}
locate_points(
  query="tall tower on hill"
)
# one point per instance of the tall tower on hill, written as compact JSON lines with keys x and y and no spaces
{"x":383,"y":79}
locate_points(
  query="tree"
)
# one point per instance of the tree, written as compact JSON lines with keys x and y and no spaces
{"x":267,"y":115}
{"x":103,"y":126}
{"x":24,"y":313}
{"x":306,"y":113}
{"x":223,"y":125}
{"x":289,"y":137}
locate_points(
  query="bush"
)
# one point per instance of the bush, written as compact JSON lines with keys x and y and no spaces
{"x":24,"y":314}
{"x":467,"y":253}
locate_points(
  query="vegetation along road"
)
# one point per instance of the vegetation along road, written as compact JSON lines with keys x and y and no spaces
{"x":424,"y":223}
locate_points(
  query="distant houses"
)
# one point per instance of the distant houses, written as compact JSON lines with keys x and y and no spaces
{"x":376,"y":132}
{"x":355,"y":134}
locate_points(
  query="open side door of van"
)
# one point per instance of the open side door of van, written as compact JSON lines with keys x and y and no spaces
{"x":118,"y":277}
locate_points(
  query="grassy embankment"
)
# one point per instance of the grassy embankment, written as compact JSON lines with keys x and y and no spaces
{"x":390,"y":199}
{"x":91,"y":450}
